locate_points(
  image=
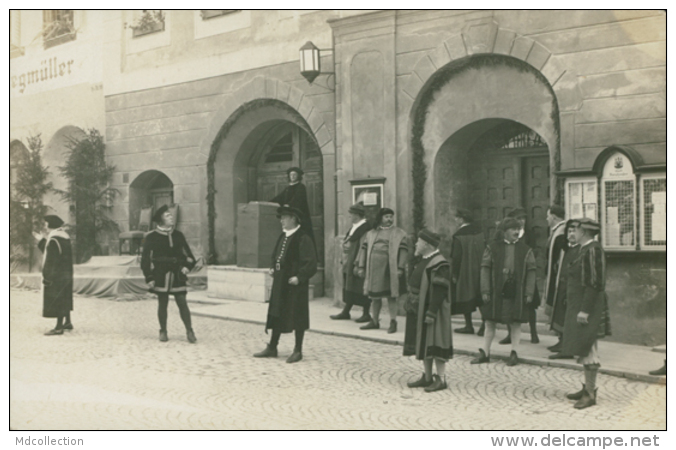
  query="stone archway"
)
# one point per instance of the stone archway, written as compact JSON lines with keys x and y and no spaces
{"x":150,"y":189}
{"x":259,"y":101}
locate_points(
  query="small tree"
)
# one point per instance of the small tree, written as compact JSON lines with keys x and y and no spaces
{"x":89,"y":192}
{"x":26,"y":208}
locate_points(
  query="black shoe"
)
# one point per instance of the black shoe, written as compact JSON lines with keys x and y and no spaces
{"x":191,"y":337}
{"x":341,"y":316}
{"x":163,"y":336}
{"x":505,"y":341}
{"x":393,"y":327}
{"x":662,"y":371}
{"x":295,"y":357}
{"x":587,"y":400}
{"x":422,"y":382}
{"x":437,"y":384}
{"x":482,"y":329}
{"x":372,"y":325}
{"x":465,"y":330}
{"x":364,"y":319}
{"x":556,"y":348}
{"x":513,"y":359}
{"x":269,"y":352}
{"x":482,"y":358}
{"x":576,"y":395}
{"x":68,"y":326}
{"x":560,"y":356}
{"x":54,"y":332}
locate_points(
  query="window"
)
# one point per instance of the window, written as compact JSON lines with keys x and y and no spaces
{"x":211,"y":13}
{"x":582,"y":198}
{"x":618,"y":199}
{"x":148,"y":21}
{"x":653,"y":212}
{"x":58,"y":26}
{"x":282,"y":151}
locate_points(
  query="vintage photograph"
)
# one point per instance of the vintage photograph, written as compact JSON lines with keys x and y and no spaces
{"x":338,"y":220}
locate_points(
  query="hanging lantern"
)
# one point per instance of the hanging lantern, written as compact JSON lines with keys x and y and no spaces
{"x":309,"y":61}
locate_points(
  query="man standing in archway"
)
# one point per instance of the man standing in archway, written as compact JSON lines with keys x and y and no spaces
{"x":295,"y":196}
{"x":382,"y":262}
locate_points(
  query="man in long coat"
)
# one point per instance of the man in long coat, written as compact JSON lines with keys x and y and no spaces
{"x":353,"y":285}
{"x":587,"y":315}
{"x":57,"y":275}
{"x":559,"y":289}
{"x":166,"y":260}
{"x":467,"y":249}
{"x":294,"y":262}
{"x":507,"y":287}
{"x":430,"y":286}
{"x":557,"y":244}
{"x":382,"y":263}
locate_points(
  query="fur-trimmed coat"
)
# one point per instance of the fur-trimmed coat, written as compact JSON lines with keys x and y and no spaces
{"x":467,"y":250}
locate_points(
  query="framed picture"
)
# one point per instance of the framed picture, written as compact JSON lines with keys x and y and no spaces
{"x":370,"y":192}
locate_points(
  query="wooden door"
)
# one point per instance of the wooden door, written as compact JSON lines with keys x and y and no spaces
{"x":536,"y":202}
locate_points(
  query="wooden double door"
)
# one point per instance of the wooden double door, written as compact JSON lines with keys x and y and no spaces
{"x":502,"y":180}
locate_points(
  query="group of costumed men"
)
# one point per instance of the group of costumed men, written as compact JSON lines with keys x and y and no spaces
{"x":498,"y":277}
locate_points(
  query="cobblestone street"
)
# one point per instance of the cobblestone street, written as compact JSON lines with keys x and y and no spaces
{"x":111,"y":372}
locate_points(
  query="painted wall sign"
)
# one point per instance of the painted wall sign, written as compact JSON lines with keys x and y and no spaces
{"x":49,"y":69}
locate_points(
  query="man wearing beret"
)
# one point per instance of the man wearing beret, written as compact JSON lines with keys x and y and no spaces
{"x":382,"y":262}
{"x":57,"y":274}
{"x":507,"y":287}
{"x":430,"y":289}
{"x":353,"y":285}
{"x":294,"y":262}
{"x":587,"y":315}
{"x":166,"y":261}
{"x":295,"y":195}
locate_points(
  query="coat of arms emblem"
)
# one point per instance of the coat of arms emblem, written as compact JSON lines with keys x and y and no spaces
{"x":619,"y":163}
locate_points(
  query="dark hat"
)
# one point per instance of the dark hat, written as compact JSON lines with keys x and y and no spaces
{"x":587,"y":224}
{"x":381,"y":213}
{"x":54,"y":221}
{"x":157,"y":217}
{"x":557,"y":210}
{"x":509,"y":223}
{"x":465,"y":214}
{"x":517,"y":213}
{"x":430,"y":237}
{"x":286,"y":210}
{"x":358,"y":208}
{"x":298,"y":170}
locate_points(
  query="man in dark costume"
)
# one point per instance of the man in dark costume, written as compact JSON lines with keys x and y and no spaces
{"x":428,"y":322}
{"x":353,"y":285}
{"x":467,"y":249}
{"x":295,"y":196}
{"x":520,"y":215}
{"x":587,"y":315}
{"x":294,"y":262}
{"x":507,"y":287}
{"x":382,"y":263}
{"x":166,"y":261}
{"x":57,"y":274}
{"x":557,"y":244}
{"x":558,"y":313}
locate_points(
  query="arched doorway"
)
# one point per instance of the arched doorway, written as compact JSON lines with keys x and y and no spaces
{"x":151,"y":189}
{"x":248,"y":162}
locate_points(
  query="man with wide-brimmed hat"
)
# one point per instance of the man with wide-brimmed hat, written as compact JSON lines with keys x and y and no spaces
{"x":353,"y":285}
{"x":295,"y":196}
{"x":467,"y":249}
{"x":57,"y":274}
{"x":382,"y":264}
{"x":294,"y":262}
{"x":166,"y":260}
{"x":587,"y":315}
{"x":428,"y":322}
{"x":507,"y":286}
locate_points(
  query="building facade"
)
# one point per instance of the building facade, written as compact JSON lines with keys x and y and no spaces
{"x":420,"y":111}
